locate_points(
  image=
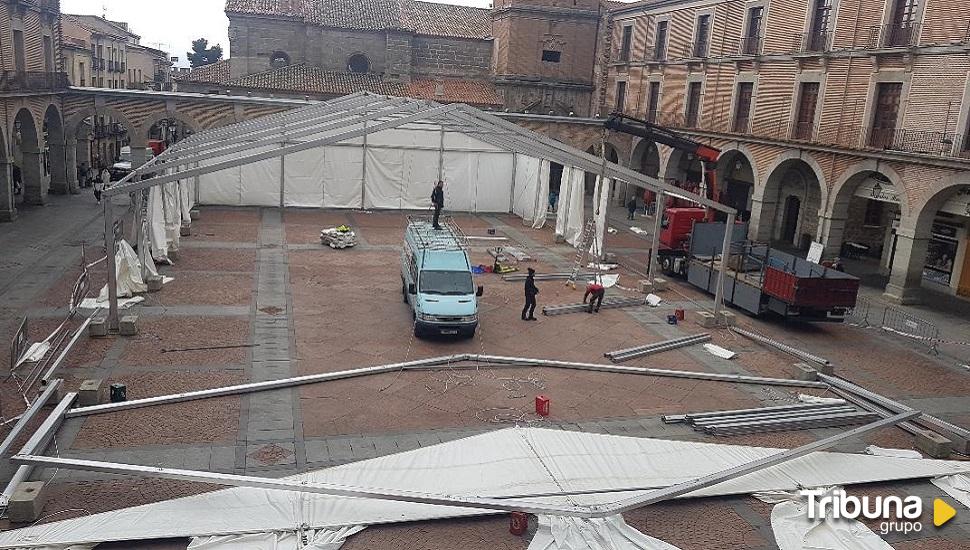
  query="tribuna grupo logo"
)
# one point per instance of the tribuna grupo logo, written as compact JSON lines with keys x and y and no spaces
{"x":897,"y":514}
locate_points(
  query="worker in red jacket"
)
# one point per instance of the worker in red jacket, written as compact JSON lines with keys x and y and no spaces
{"x":595,"y":292}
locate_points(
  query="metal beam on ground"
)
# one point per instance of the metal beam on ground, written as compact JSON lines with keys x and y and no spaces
{"x":29,"y":415}
{"x":737,"y":471}
{"x":42,"y":437}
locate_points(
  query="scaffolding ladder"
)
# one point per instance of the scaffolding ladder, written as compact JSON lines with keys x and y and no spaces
{"x":587,"y":238}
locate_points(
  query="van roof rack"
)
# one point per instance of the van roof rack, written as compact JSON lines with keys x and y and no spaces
{"x":450,"y":237}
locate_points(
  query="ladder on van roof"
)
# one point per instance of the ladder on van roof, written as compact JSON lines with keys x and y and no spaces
{"x":449,"y":237}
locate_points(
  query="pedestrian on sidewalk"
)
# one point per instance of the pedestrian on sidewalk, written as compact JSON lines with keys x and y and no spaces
{"x":531,"y":290}
{"x":105,"y":177}
{"x":98,"y":187}
{"x":631,"y":208}
{"x":595,"y":292}
{"x":438,"y":201}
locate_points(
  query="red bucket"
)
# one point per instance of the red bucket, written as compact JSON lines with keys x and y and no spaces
{"x":542,"y":405}
{"x":679,"y":313}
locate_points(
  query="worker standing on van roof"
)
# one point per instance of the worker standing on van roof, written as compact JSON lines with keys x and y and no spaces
{"x":438,"y":201}
{"x":531,"y":290}
{"x":595,"y":292}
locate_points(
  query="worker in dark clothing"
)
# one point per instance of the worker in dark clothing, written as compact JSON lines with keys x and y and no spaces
{"x":631,"y":208}
{"x":531,"y":290}
{"x":438,"y":201}
{"x":595,"y":292}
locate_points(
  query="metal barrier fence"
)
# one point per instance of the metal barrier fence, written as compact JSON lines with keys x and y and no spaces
{"x":859,"y":316}
{"x":899,"y":322}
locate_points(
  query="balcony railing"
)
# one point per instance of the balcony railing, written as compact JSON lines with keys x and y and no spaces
{"x":895,"y":35}
{"x":902,"y":140}
{"x":659,"y":54}
{"x":20,"y":81}
{"x":750,"y":45}
{"x":697,"y":50}
{"x":809,"y":42}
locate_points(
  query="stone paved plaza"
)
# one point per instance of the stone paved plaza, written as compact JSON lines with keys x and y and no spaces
{"x":257,"y":285}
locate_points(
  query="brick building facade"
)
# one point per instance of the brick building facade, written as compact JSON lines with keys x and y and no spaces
{"x":841,"y":122}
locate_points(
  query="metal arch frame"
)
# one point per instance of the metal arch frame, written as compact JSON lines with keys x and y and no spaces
{"x":27,"y":456}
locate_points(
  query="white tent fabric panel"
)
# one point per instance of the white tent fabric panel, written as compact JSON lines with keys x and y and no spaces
{"x":575,"y":208}
{"x":456,"y":141}
{"x":343,"y":174}
{"x":794,"y":531}
{"x":172,"y":208}
{"x":526,"y":187}
{"x":541,"y":210}
{"x":459,"y":172}
{"x":602,"y":205}
{"x":303,"y":175}
{"x":384,"y":181}
{"x":424,"y":137}
{"x":220,"y":187}
{"x":611,"y":533}
{"x":260,"y":182}
{"x":156,"y":224}
{"x":420,"y":175}
{"x":493,"y":182}
{"x":514,"y":461}
{"x":323,"y":539}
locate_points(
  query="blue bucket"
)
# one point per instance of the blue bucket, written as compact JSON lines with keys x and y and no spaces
{"x":671,"y":319}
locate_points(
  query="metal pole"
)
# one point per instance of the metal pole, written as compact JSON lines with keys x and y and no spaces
{"x":658,"y":213}
{"x":363,"y":169}
{"x":441,"y":155}
{"x":109,"y":249}
{"x":725,"y":254}
{"x":282,"y":179}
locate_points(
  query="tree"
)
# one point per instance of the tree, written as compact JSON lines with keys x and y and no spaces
{"x":202,"y":54}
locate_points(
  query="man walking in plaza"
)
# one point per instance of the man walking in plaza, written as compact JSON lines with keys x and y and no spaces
{"x":438,"y":201}
{"x":631,"y":208}
{"x":595,"y":292}
{"x":531,"y":290}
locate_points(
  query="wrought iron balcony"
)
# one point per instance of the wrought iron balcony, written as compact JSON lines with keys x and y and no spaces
{"x":697,"y":50}
{"x":26,"y":81}
{"x":896,"y":35}
{"x":812,"y":42}
{"x":750,"y":45}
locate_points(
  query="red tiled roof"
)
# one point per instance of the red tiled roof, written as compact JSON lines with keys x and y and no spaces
{"x":214,"y":73}
{"x":313,"y":80}
{"x":411,"y":15}
{"x":477,"y":92}
{"x":434,"y":19}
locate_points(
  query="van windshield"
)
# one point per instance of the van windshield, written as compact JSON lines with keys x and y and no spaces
{"x":449,"y":283}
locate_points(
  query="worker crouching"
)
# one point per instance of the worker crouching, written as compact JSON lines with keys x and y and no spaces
{"x":594,"y":292}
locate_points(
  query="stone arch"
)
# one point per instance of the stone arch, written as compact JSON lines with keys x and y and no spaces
{"x":612,"y":155}
{"x":55,"y":160}
{"x":911,"y":251}
{"x":76,"y":127}
{"x":792,"y":174}
{"x":141,"y":136}
{"x":737,"y":178}
{"x":645,"y":158}
{"x":28,"y":169}
{"x":358,"y":63}
{"x":681,"y":167}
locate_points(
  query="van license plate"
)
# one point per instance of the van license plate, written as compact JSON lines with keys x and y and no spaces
{"x":449,"y":331}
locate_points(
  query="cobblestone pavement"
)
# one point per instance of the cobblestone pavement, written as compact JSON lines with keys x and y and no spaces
{"x":256,"y":284}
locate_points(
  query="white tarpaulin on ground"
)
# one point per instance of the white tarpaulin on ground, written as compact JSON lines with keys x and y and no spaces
{"x":128,"y":272}
{"x":323,"y":539}
{"x":502,"y":463}
{"x":957,"y":486}
{"x":793,"y":529}
{"x":612,"y":533}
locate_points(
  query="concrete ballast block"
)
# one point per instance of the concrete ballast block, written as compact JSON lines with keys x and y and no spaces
{"x":185,"y":230}
{"x":194,"y":213}
{"x":154,"y":284}
{"x":128,"y":325}
{"x":705,"y":319}
{"x":90,"y":392}
{"x":659,"y":283}
{"x":933,"y":444}
{"x":804,"y":372}
{"x":726,"y":318}
{"x":173,"y":255}
{"x":27,"y":502}
{"x":98,"y":328}
{"x":645,"y":286}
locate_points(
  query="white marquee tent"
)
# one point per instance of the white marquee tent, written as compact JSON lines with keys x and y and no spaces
{"x":370,"y":151}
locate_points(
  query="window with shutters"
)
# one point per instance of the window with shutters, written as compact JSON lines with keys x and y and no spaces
{"x":693,"y":104}
{"x":48,"y":55}
{"x":805,"y":115}
{"x":20,"y":60}
{"x":702,"y":35}
{"x":660,"y":42}
{"x":653,"y":102}
{"x":620,"y":96}
{"x":886,"y":112}
{"x":818,"y":34}
{"x":742,"y":108}
{"x":626,"y":43}
{"x":551,"y":56}
{"x":902,"y":29}
{"x":751,"y":43}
